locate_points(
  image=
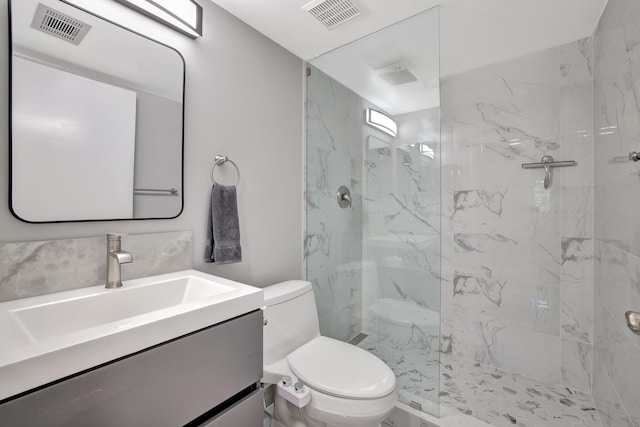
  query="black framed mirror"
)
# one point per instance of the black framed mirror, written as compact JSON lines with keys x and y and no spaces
{"x":97,"y":116}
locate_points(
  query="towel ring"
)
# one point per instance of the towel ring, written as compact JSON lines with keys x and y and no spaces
{"x":220,"y":160}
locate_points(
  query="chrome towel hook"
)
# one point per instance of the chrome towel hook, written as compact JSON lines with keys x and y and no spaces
{"x":220,"y":160}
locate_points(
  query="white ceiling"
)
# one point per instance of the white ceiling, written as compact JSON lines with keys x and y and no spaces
{"x":473,"y":32}
{"x":410,"y":45}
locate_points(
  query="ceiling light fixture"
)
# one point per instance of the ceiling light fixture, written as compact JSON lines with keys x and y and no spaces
{"x":381,"y":122}
{"x":184,"y":16}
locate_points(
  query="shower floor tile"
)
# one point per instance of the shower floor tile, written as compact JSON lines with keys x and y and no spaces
{"x":497,"y":397}
{"x":416,"y":368}
{"x":504,"y":399}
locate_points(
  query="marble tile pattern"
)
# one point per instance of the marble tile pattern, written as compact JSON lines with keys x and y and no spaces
{"x":401,"y":215}
{"x":333,"y":248}
{"x":485,"y":394}
{"x":616,"y":387}
{"x":416,"y":365}
{"x":36,"y":268}
{"x":517,"y":288}
{"x":505,"y":399}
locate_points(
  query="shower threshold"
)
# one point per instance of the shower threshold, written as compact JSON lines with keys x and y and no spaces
{"x":406,"y":416}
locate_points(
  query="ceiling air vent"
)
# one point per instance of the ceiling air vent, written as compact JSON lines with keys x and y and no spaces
{"x":59,"y":25}
{"x":398,"y":76}
{"x":332,"y":12}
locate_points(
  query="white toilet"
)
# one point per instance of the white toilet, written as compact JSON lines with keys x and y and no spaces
{"x":348,"y":386}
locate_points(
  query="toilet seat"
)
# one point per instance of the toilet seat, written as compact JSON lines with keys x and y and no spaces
{"x":341,"y":370}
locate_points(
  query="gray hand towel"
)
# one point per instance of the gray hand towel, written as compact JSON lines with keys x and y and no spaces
{"x":223,"y":228}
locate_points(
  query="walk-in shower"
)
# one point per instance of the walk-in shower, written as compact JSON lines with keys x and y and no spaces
{"x":470,"y":275}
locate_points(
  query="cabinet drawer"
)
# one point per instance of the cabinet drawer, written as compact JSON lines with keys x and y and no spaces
{"x":248,"y":412}
{"x":166,"y":385}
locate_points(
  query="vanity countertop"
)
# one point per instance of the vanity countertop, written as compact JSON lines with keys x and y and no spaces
{"x":53,"y":336}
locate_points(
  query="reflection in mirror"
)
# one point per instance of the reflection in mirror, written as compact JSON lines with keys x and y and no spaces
{"x":96,"y":116}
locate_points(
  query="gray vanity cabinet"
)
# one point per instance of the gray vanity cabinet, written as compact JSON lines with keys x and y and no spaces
{"x":246,"y":412}
{"x":208,"y":378}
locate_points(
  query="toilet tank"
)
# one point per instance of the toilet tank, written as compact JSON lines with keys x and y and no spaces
{"x":291,"y":316}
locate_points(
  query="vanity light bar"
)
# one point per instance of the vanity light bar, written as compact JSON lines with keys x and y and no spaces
{"x":381,"y":122}
{"x":184,"y":16}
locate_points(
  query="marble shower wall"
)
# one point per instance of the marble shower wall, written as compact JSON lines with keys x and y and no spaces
{"x":401,"y":290}
{"x":333,"y":239}
{"x":402,"y":215}
{"x":517,"y":259}
{"x":616,"y":388}
{"x":36,"y":268}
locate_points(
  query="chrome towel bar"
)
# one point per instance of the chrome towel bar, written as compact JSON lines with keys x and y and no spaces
{"x":551,"y":164}
{"x":171,"y":191}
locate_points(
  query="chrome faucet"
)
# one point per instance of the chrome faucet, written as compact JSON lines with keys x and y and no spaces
{"x":115,"y":258}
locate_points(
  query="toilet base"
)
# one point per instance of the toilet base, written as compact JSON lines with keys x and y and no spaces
{"x":286,"y":414}
{"x":289,"y":415}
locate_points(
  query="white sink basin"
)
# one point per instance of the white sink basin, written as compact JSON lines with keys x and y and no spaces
{"x":49,"y":337}
{"x":71,"y":313}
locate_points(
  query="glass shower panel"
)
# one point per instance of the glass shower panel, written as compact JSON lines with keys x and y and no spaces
{"x":333,"y":248}
{"x":375,"y":266}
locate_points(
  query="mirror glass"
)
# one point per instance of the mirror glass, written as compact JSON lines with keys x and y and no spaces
{"x":96,"y":118}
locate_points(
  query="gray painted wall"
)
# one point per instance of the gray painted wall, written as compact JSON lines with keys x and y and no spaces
{"x":244,"y":100}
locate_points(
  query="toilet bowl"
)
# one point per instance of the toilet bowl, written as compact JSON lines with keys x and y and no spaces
{"x":348,"y":386}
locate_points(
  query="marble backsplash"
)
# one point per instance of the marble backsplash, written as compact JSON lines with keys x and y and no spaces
{"x":36,"y":268}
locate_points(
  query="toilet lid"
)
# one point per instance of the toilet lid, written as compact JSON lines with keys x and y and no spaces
{"x":340,"y":369}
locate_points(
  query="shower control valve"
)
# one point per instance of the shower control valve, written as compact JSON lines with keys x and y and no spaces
{"x":633,"y":321}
